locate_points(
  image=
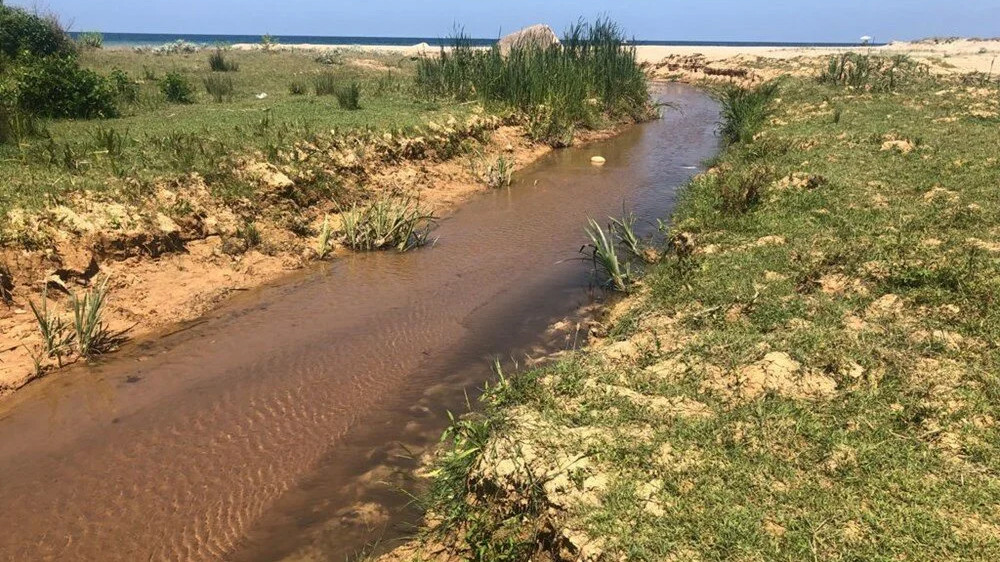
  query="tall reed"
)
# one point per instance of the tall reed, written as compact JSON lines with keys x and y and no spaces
{"x":745,"y":110}
{"x":594,"y":71}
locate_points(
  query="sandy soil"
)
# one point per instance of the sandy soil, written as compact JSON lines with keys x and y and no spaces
{"x":958,"y":55}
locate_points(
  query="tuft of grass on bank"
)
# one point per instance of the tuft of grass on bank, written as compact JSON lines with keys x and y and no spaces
{"x":811,"y":375}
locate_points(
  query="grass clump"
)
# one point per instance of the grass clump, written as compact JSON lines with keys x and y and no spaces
{"x":92,"y":335}
{"x":872,"y":72}
{"x":387,"y":222}
{"x":324,"y":245}
{"x":57,"y":336}
{"x":221,"y":88}
{"x":325,"y":84}
{"x":499,"y":172}
{"x":592,"y":74}
{"x":604,"y":253}
{"x":745,"y":110}
{"x":298,"y":88}
{"x":349,"y":96}
{"x":218,"y":62}
{"x":176,"y":88}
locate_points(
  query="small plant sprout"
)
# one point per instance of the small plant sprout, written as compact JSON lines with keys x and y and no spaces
{"x":56,"y":334}
{"x":92,"y":335}
{"x":606,"y":260}
{"x":499,"y":173}
{"x":325,"y":243}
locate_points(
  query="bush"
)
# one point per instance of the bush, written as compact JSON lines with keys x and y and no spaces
{"x":219,"y":87}
{"x":90,"y":40}
{"x":349,"y":97}
{"x":218,"y":63}
{"x":58,"y":87}
{"x":176,"y":88}
{"x":22,"y":32}
{"x":125,"y":88}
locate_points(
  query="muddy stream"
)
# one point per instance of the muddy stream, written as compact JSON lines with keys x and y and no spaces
{"x":282,"y":425}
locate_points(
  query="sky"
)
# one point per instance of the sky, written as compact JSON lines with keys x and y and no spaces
{"x":696,"y":20}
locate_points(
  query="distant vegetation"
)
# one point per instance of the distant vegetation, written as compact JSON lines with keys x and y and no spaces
{"x":872,"y":72}
{"x":592,"y":74}
{"x":40,"y":76}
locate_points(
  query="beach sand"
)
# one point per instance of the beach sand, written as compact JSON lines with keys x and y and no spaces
{"x":946,"y":55}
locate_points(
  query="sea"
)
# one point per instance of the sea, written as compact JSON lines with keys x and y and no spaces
{"x":156,"y":39}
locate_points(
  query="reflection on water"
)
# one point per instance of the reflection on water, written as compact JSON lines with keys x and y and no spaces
{"x":284,"y":425}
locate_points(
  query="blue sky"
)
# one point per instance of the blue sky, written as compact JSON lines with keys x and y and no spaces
{"x":734,"y":20}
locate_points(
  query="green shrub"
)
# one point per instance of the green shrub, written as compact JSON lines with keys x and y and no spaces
{"x":219,"y":87}
{"x":23,"y":32}
{"x":218,"y":63}
{"x":125,"y":88}
{"x":349,"y":96}
{"x":58,"y":87}
{"x":176,"y":88}
{"x":90,"y":40}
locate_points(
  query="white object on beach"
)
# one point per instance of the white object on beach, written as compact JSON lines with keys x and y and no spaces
{"x":262,"y":96}
{"x":866,"y":39}
{"x":598,"y":160}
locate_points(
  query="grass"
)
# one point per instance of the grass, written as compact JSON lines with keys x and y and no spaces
{"x":325,"y":242}
{"x":221,"y":88}
{"x":92,"y":335}
{"x":745,"y":110}
{"x":165,"y":140}
{"x":624,"y":231}
{"x":56,"y":334}
{"x":615,"y":270}
{"x":218,"y":62}
{"x":325,"y":84}
{"x":499,"y":173}
{"x":387,"y":222}
{"x":812,"y":376}
{"x":592,"y":75}
{"x":349,"y":96}
{"x":872,"y":72}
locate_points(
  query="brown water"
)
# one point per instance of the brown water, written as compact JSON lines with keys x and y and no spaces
{"x":282,"y":425}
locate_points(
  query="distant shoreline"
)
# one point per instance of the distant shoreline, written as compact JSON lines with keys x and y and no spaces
{"x":126,"y":40}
